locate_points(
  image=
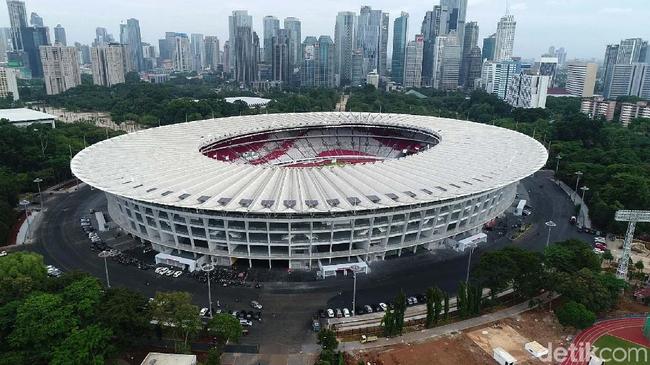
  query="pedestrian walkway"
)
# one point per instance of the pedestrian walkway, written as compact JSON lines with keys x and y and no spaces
{"x":428,"y":334}
{"x":27,"y":228}
{"x":583,"y":215}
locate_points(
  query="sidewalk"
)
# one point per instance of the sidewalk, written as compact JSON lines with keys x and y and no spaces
{"x":428,"y":334}
{"x":28,"y":227}
{"x":583,"y":215}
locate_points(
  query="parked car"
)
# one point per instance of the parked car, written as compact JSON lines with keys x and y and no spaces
{"x":600,"y":246}
{"x":330,"y":313}
{"x":255,"y":304}
{"x":245,"y":322}
{"x":367,"y":308}
{"x":204,"y":312}
{"x":178,"y":273}
{"x":339,"y":313}
{"x":346,"y":312}
{"x":383,"y":306}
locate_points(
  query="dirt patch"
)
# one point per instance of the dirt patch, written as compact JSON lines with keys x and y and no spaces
{"x":456,"y":349}
{"x":541,"y":326}
{"x":501,"y":335}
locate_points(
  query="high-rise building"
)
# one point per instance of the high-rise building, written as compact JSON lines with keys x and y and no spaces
{"x":560,"y":53}
{"x":8,"y":83}
{"x":505,"y":38}
{"x":430,"y":30}
{"x":102,"y":37}
{"x":59,"y":35}
{"x":548,"y":67}
{"x":130,"y":37}
{"x":292,"y":25}
{"x":496,"y":76}
{"x":281,"y":66}
{"x":632,"y":50}
{"x":5,"y":43}
{"x":413,"y":67}
{"x":60,"y":68}
{"x":454,"y":13}
{"x":527,"y":91}
{"x":318,"y":62}
{"x":357,"y":67}
{"x":474,"y":67}
{"x":244,"y":56}
{"x":628,"y":80}
{"x":18,"y":21}
{"x":256,"y":58}
{"x":447,"y":60}
{"x":611,"y":56}
{"x":470,"y":41}
{"x":35,"y":20}
{"x":344,"y":41}
{"x":33,"y":38}
{"x":198,"y":52}
{"x":225,"y":59}
{"x":182,"y":53}
{"x":212,"y":55}
{"x":400,"y":31}
{"x":271,"y":26}
{"x":84,"y":53}
{"x":108,"y":64}
{"x":581,"y":79}
{"x":489,"y":46}
{"x":238,"y":19}
{"x":372,"y":39}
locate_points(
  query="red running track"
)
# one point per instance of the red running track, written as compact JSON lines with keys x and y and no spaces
{"x":624,"y":328}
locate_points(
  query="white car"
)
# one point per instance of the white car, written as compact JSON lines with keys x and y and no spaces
{"x":203,"y":312}
{"x":600,"y":240}
{"x":245,"y":322}
{"x":161,"y":270}
{"x":3,"y":253}
{"x":598,"y":251}
{"x":346,"y":312}
{"x":330,"y":313}
{"x":255,"y":304}
{"x":178,"y":273}
{"x":383,"y":306}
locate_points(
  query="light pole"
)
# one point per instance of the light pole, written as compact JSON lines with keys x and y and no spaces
{"x":578,"y":174}
{"x":354,"y":292}
{"x":104,"y":254}
{"x":469,"y":262}
{"x":584,"y":189}
{"x":208,"y":267}
{"x":38,"y":182}
{"x":550,"y":225}
{"x":25,"y":204}
{"x":557,"y":164}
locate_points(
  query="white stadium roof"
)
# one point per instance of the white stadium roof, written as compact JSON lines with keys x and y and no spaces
{"x":18,"y":115}
{"x":164,"y":166}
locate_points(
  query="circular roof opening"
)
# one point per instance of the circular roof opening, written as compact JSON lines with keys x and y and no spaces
{"x":321,"y":145}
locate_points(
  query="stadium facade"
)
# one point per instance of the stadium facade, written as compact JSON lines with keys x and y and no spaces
{"x":307,"y":190}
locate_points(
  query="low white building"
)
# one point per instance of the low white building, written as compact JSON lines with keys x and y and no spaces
{"x":22,"y":117}
{"x":157,"y":358}
{"x":251,"y":101}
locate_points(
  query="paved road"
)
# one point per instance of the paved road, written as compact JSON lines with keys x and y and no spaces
{"x":288,"y":306}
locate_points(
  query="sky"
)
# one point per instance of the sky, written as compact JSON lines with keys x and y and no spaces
{"x":583,"y":27}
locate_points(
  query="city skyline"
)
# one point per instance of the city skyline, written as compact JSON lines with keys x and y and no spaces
{"x":576,"y":18}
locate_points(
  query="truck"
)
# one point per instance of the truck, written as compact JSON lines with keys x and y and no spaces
{"x":519,"y":211}
{"x":315,"y":325}
{"x":367,"y":339}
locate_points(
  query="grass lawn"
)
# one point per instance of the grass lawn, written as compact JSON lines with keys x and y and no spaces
{"x":607,"y":348}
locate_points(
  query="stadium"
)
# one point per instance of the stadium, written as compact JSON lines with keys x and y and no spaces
{"x":307,"y":191}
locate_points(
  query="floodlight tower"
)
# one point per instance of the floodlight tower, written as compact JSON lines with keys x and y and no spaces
{"x":632,"y":217}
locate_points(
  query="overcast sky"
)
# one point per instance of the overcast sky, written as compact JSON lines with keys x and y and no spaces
{"x":583,"y":27}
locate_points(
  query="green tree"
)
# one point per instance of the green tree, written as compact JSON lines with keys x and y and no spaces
{"x":20,"y":274}
{"x":175,"y":310}
{"x":83,"y":296}
{"x":639,"y":266}
{"x":400,"y":310}
{"x":571,"y":256}
{"x":88,"y":346}
{"x":430,"y":321}
{"x":214,"y":357}
{"x":496,"y":270}
{"x":446,"y":305}
{"x":327,"y":340}
{"x":42,"y":322}
{"x":575,"y":315}
{"x":226,"y":327}
{"x":125,"y":313}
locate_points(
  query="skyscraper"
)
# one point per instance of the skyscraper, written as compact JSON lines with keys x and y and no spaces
{"x":130,"y":37}
{"x":496,"y":76}
{"x":470,"y":41}
{"x":454,"y":13}
{"x":527,"y":91}
{"x":60,"y":68}
{"x":292,"y":25}
{"x":59,"y":35}
{"x":181,"y":53}
{"x":400,"y":31}
{"x":281,"y":63}
{"x":430,"y":30}
{"x":5,"y":43}
{"x":198,"y":52}
{"x":581,"y":79}
{"x":505,"y":38}
{"x":631,"y":50}
{"x":318,"y":62}
{"x":102,"y":37}
{"x":212,"y":55}
{"x":372,"y":39}
{"x":413,"y":58}
{"x":474,"y":69}
{"x":271,"y":26}
{"x":225,"y":59}
{"x":84,"y":53}
{"x":108,"y":64}
{"x":628,"y":80}
{"x":344,"y":41}
{"x":18,"y":21}
{"x":243,"y":55}
{"x":560,"y":53}
{"x":33,"y":38}
{"x":35,"y":20}
{"x":447,"y":60}
{"x":238,"y":19}
{"x":489,"y":46}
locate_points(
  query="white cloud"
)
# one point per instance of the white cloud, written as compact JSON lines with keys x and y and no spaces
{"x":615,"y":10}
